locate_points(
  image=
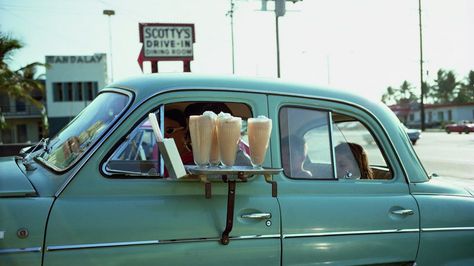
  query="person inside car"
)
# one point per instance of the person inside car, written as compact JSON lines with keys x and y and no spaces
{"x":293,"y":156}
{"x":352,"y":162}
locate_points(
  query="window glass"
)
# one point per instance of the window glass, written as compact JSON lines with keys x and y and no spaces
{"x":21,"y":133}
{"x":305,"y":143}
{"x":86,"y":128}
{"x":58,"y":92}
{"x":310,"y":138}
{"x":138,"y":155}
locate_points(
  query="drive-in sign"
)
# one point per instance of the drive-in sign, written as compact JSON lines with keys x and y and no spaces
{"x":167,"y":41}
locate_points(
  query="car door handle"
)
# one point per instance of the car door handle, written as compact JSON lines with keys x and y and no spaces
{"x":257,"y":215}
{"x":403,"y":212}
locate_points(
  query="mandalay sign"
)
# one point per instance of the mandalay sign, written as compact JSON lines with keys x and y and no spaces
{"x":96,"y":58}
{"x":162,"y":41}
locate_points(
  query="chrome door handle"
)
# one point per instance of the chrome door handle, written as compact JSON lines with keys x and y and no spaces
{"x":257,"y":215}
{"x":403,"y":212}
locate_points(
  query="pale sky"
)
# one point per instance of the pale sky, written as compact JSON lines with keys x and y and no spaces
{"x":362,"y":46}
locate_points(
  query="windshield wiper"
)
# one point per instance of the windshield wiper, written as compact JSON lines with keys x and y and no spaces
{"x":25,"y":153}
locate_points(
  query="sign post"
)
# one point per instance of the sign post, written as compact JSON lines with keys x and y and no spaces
{"x":166,"y":42}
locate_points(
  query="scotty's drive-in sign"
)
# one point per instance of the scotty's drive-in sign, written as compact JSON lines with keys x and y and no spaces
{"x":167,"y":41}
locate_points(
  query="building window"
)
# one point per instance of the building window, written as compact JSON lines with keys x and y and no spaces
{"x":430,"y":116}
{"x":68,"y":92}
{"x":412,"y":117}
{"x":450,"y":115}
{"x":75,"y":91}
{"x":21,"y":134}
{"x":20,"y":105}
{"x":440,"y":116}
{"x":89,"y":91}
{"x":80,"y":92}
{"x":96,"y":90}
{"x":57,"y":92}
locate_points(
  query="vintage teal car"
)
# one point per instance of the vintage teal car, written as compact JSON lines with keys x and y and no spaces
{"x":98,"y":193}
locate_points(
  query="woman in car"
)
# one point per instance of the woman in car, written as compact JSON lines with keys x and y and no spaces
{"x":352,"y":162}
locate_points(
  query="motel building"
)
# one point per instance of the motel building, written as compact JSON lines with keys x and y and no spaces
{"x":436,"y":115}
{"x":72,"y":82}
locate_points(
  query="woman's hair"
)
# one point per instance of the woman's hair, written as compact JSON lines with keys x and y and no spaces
{"x":360,"y":156}
{"x":176,"y":115}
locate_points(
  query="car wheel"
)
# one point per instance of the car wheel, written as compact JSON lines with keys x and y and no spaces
{"x":413,"y":142}
{"x":448,"y":131}
{"x":467,"y":131}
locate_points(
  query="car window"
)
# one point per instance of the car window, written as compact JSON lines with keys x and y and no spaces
{"x":138,"y":154}
{"x":83,"y":131}
{"x":318,"y":144}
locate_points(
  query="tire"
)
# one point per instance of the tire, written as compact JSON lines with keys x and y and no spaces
{"x":467,"y":131}
{"x":413,"y":142}
{"x":448,"y":131}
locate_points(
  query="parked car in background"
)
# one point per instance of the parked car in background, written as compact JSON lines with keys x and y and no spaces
{"x":352,"y":190}
{"x":463,"y":126}
{"x":413,"y":134}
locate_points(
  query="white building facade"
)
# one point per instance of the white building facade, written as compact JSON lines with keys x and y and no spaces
{"x":441,"y":114}
{"x":72,"y":82}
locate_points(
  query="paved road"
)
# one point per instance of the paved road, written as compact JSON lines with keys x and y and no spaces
{"x":449,"y":155}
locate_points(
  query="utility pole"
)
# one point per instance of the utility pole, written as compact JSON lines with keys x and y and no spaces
{"x":422,"y":98}
{"x":230,"y":13}
{"x":110,"y":13}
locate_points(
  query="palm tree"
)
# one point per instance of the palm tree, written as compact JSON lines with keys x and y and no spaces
{"x":22,"y":82}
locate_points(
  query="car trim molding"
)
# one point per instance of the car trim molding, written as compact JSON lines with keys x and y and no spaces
{"x":439,"y":229}
{"x":155,"y":242}
{"x":368,"y":232}
{"x":19,"y":250}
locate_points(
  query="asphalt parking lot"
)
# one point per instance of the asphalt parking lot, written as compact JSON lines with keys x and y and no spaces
{"x":450,"y":155}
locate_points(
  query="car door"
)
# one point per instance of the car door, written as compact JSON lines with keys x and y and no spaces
{"x":350,"y":220}
{"x":144,"y":219}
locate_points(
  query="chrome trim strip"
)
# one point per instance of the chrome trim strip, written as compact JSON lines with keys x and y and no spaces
{"x":101,"y":245}
{"x":255,"y":237}
{"x":440,"y":194}
{"x":368,"y":232}
{"x":19,"y":250}
{"x":331,"y":142}
{"x":162,"y":127}
{"x":155,"y":242}
{"x":440,"y":229}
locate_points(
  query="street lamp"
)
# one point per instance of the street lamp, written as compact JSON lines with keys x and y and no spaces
{"x":280,"y":10}
{"x":109,"y":13}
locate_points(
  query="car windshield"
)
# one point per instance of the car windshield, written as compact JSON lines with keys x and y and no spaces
{"x":83,"y":131}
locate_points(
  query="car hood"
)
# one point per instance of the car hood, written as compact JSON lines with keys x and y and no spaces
{"x":444,"y":186}
{"x":13,"y":183}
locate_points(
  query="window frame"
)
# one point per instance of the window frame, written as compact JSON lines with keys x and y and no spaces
{"x":161,"y":108}
{"x":330,"y":112}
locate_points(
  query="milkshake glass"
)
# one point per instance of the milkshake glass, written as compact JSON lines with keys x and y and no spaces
{"x":200,"y":128}
{"x":228,"y":135}
{"x":259,"y":130}
{"x":214,"y":158}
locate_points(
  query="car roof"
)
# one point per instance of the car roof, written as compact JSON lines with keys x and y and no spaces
{"x":146,"y":85}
